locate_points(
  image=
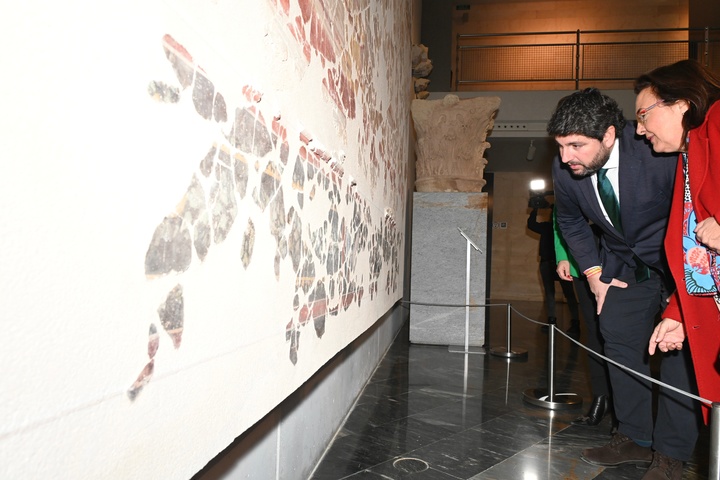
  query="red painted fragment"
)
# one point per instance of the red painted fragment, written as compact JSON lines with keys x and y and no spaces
{"x":171,"y":43}
{"x":251,"y":94}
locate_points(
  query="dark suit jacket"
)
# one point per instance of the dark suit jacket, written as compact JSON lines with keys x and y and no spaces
{"x":646,"y":183}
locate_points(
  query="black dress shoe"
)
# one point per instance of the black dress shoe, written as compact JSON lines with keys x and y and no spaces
{"x":598,"y":409}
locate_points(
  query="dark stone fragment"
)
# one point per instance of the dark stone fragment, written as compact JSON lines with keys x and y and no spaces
{"x":318,"y":298}
{"x":153,"y":341}
{"x":193,"y":203}
{"x":223,"y":205}
{"x":241,"y":175}
{"x":171,"y":314}
{"x":220,"y":109}
{"x":142,"y":380}
{"x":163,"y":92}
{"x":170,"y":248}
{"x":207,"y":163}
{"x":277,"y":214}
{"x":203,"y":94}
{"x":202,"y":235}
{"x":295,"y":240}
{"x":250,"y":135}
{"x":183,"y":69}
{"x":248,"y":244}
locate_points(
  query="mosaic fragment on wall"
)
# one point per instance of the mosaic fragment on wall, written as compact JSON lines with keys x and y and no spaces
{"x":319,"y":240}
{"x":207,"y":163}
{"x":332,"y":264}
{"x":307,"y":274}
{"x":220,"y":109}
{"x":170,"y":248}
{"x":298,"y":180}
{"x":180,"y":60}
{"x":203,"y":235}
{"x":277,"y":214}
{"x":249,"y":134}
{"x":248,"y":243}
{"x":223,"y":204}
{"x":203,"y":95}
{"x":318,"y":300}
{"x":142,"y":380}
{"x":171,"y":313}
{"x":162,"y":92}
{"x":295,"y":238}
{"x":241,"y":174}
{"x":192,"y":204}
{"x":147,"y":372}
{"x":332,"y":246}
{"x":269,"y":184}
{"x":292,"y":335}
{"x":153,"y":341}
{"x":298,"y":177}
{"x":193,"y":210}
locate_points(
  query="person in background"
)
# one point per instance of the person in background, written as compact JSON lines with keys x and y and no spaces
{"x":567,"y":269}
{"x":607,"y":175}
{"x":549,"y":276}
{"x":678,"y":110}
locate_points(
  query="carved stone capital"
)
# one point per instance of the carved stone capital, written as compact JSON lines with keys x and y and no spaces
{"x":451,"y":142}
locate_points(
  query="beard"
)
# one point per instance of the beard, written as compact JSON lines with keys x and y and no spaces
{"x":595,"y":164}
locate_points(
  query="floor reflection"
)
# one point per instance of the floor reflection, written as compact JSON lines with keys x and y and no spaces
{"x":428,"y":413}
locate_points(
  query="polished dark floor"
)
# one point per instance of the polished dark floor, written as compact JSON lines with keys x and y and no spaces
{"x":428,"y":413}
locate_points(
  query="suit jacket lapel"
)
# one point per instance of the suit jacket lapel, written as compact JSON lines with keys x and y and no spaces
{"x":590,"y":193}
{"x":627,"y":172}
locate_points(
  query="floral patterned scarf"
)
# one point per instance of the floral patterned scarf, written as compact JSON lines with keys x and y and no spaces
{"x":701,"y":266}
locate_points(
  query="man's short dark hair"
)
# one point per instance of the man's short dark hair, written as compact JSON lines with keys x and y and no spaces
{"x":587,"y":112}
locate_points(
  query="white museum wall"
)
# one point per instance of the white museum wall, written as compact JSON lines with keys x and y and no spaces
{"x":204,"y":204}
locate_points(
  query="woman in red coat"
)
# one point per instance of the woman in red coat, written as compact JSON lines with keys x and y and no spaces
{"x":678,"y":111}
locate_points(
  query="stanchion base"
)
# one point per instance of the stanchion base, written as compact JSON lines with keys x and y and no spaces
{"x":461,"y":349}
{"x":503,"y":352}
{"x":561,"y":401}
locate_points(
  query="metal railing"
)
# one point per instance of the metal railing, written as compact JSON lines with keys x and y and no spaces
{"x":575,"y":59}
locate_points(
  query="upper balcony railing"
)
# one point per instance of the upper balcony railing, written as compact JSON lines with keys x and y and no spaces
{"x":609,"y":59}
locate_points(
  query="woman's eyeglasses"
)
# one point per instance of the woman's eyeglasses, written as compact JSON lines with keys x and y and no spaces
{"x":641,"y":114}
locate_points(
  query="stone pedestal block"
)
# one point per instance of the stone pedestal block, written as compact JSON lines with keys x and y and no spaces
{"x":439,"y":267}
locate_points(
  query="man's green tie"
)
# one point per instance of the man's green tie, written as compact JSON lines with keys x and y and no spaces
{"x":609,"y":200}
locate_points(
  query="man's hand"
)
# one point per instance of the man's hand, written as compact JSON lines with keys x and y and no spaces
{"x":600,"y":288}
{"x":668,"y":335}
{"x":708,"y":233}
{"x":563,"y":270}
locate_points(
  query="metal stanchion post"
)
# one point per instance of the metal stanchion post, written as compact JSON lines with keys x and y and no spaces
{"x":548,"y":398}
{"x":714,"y":471}
{"x":467,"y":349}
{"x":507,"y":351}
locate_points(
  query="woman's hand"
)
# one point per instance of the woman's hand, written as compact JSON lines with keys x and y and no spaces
{"x":708,"y":233}
{"x":668,"y":335}
{"x":563,"y":270}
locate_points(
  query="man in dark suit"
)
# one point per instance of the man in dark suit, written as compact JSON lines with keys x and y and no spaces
{"x":606,"y":175}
